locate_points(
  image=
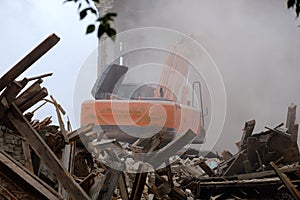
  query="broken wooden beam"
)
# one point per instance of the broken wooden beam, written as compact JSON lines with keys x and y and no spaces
{"x":27,"y":156}
{"x":28,"y":60}
{"x":138,"y":184}
{"x":163,"y":155}
{"x":236,"y":167}
{"x":123,"y":187}
{"x":45,"y":153}
{"x":75,"y":135}
{"x":24,"y":180}
{"x":88,"y":181}
{"x":205,"y":167}
{"x":176,"y":192}
{"x":247,"y":132}
{"x":111,"y":180}
{"x":286,"y":181}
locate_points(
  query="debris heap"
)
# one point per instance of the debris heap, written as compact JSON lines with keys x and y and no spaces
{"x":39,"y":160}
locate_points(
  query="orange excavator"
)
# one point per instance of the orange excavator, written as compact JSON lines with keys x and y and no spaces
{"x":130,"y":111}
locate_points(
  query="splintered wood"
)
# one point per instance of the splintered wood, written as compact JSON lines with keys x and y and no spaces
{"x":39,"y":160}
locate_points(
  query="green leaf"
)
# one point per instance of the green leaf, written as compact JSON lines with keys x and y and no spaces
{"x":107,"y":17}
{"x":290,"y":3}
{"x":101,"y":31}
{"x":111,"y":32}
{"x":83,"y":14}
{"x":93,"y":11}
{"x":90,"y":28}
{"x":297,"y":10}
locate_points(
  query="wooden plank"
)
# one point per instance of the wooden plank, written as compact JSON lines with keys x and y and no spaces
{"x":236,"y":166}
{"x":138,"y":185}
{"x":9,"y":94}
{"x":171,"y":149}
{"x":176,"y":192}
{"x":31,"y":102}
{"x":154,"y":142}
{"x":111,"y":180}
{"x":27,"y":156}
{"x":261,"y":166}
{"x":285,"y":169}
{"x":28,"y":60}
{"x":88,"y":181}
{"x":45,"y":153}
{"x":286,"y":181}
{"x":205,"y":167}
{"x":294,"y":136}
{"x":7,"y":194}
{"x":28,"y":177}
{"x":123,"y":187}
{"x":239,"y":183}
{"x":30,"y":92}
{"x":252,"y":146}
{"x":40,"y":76}
{"x":74,"y":135}
{"x":13,"y":90}
{"x":169,"y":174}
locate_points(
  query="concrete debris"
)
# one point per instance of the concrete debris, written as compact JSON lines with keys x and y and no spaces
{"x":39,"y":160}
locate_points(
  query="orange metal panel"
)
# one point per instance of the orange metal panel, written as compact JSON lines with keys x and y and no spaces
{"x":141,"y":113}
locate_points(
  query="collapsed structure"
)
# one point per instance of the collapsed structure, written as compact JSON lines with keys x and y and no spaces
{"x":43,"y":161}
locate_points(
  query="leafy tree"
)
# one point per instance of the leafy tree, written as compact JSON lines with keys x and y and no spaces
{"x":102,"y":23}
{"x":294,"y":4}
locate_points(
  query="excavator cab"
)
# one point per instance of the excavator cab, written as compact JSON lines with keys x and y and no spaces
{"x":130,"y":111}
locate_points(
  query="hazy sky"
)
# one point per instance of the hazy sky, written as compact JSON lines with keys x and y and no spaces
{"x":254,"y":43}
{"x":25,"y":23}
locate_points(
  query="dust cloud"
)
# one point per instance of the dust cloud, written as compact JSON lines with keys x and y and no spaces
{"x":255,"y":45}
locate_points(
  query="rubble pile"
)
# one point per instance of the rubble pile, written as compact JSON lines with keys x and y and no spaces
{"x":39,"y":160}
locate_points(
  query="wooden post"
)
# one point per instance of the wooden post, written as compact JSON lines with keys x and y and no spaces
{"x":291,"y":118}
